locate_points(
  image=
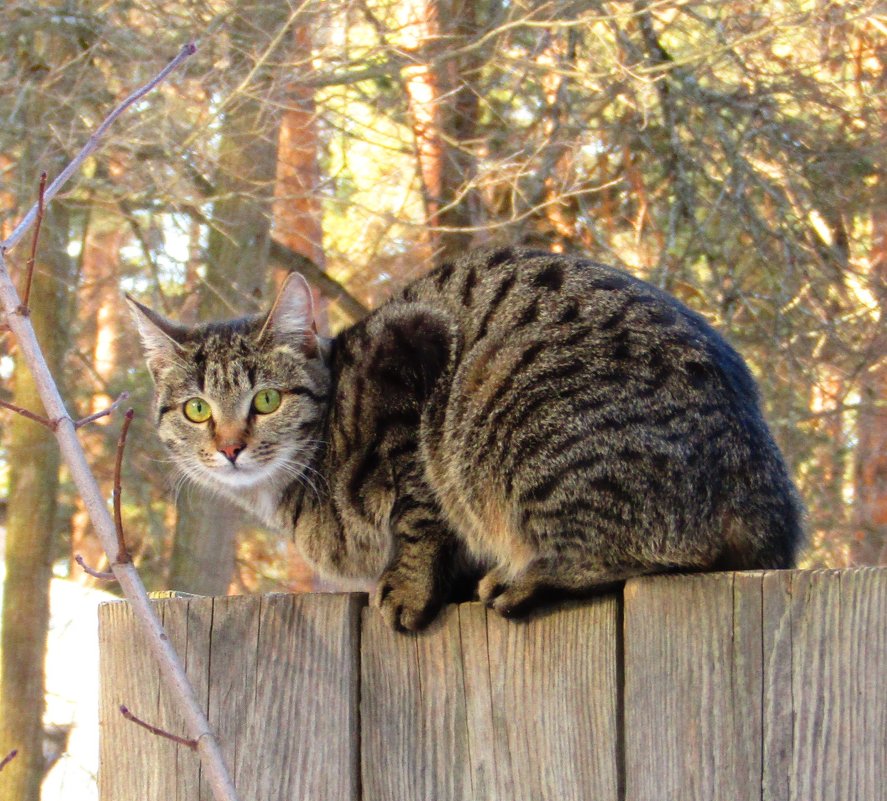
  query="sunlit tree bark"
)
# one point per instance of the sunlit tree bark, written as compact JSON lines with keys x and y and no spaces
{"x":444,"y":107}
{"x":870,"y":475}
{"x":297,"y":213}
{"x":101,"y":320}
{"x":297,"y":217}
{"x":204,"y":547}
{"x":32,"y":524}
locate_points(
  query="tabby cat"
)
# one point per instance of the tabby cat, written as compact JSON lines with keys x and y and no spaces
{"x":544,"y":423}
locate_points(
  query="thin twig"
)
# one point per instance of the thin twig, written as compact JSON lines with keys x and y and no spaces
{"x":50,"y":424}
{"x":29,"y":276}
{"x":192,"y":744}
{"x":92,"y":571}
{"x":123,"y":396}
{"x":123,"y":556}
{"x":92,"y":144}
{"x":8,"y":758}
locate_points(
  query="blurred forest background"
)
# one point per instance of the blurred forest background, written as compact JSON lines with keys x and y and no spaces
{"x":729,"y":152}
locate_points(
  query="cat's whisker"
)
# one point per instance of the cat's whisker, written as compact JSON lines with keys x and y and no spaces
{"x":160,"y":460}
{"x":306,"y":465}
{"x":296,"y":471}
{"x":309,"y":474}
{"x":313,"y":442}
{"x":185,"y":480}
{"x":182,"y":483}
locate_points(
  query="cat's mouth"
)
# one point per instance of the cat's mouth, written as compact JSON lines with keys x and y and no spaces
{"x":241,"y":473}
{"x":248,"y":473}
{"x":245,"y":472}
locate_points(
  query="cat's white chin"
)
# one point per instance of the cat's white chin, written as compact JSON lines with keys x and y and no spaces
{"x":238,"y":477}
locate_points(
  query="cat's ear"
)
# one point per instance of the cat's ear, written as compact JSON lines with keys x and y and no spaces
{"x":292,"y":316}
{"x":161,"y":338}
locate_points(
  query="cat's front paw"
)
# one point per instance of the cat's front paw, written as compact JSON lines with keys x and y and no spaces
{"x":405,"y":603}
{"x":509,"y":597}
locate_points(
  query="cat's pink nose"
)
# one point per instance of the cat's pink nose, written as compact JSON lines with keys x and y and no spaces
{"x":231,"y":450}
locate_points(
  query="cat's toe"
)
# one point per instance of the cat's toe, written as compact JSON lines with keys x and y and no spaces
{"x":405,"y":607}
{"x":508,"y":598}
{"x":515,"y":602}
{"x":492,"y":585}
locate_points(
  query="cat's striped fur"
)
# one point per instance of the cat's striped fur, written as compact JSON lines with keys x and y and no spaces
{"x":547,"y":423}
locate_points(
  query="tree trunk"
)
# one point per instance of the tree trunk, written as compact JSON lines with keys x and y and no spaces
{"x":33,"y":488}
{"x":33,"y":455}
{"x":443,"y":106}
{"x":557,"y":212}
{"x":870,"y":475}
{"x":297,"y":218}
{"x":204,"y":548}
{"x":297,"y":211}
{"x":100,"y":312}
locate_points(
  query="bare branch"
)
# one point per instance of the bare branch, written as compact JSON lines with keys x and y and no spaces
{"x":91,"y":145}
{"x":8,"y":758}
{"x":288,"y":258}
{"x":328,"y":286}
{"x":192,"y":744}
{"x":26,"y":294}
{"x":123,"y":396}
{"x":52,"y":425}
{"x":103,"y":576}
{"x":30,"y":415}
{"x":122,"y":553}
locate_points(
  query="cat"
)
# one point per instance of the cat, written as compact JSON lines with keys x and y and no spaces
{"x":546,"y":424}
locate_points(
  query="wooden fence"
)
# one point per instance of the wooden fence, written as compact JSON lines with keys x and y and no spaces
{"x":767,"y":686}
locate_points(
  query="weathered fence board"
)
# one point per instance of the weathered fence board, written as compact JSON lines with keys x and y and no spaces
{"x":232,"y":692}
{"x":553,"y":692}
{"x":766,"y":686}
{"x":838,"y":688}
{"x":412,"y":713}
{"x":692,"y":688}
{"x":483,"y":708}
{"x":284,"y":676}
{"x":125,"y":749}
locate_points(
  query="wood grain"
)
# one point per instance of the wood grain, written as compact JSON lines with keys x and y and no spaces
{"x":413,"y":720}
{"x":279,"y":677}
{"x":777,"y":708}
{"x":553,"y":694}
{"x":301,"y":739}
{"x":130,"y":677}
{"x":482,"y":708}
{"x":838,"y":685}
{"x":767,"y":686}
{"x":235,"y":630}
{"x":693,"y":688}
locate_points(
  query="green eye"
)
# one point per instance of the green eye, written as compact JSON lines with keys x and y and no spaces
{"x":197,"y":410}
{"x":266,"y":401}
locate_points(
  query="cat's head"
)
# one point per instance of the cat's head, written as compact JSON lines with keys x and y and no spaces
{"x":239,"y":403}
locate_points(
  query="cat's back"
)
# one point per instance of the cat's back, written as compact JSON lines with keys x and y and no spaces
{"x":571,"y":305}
{"x":573,"y":379}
